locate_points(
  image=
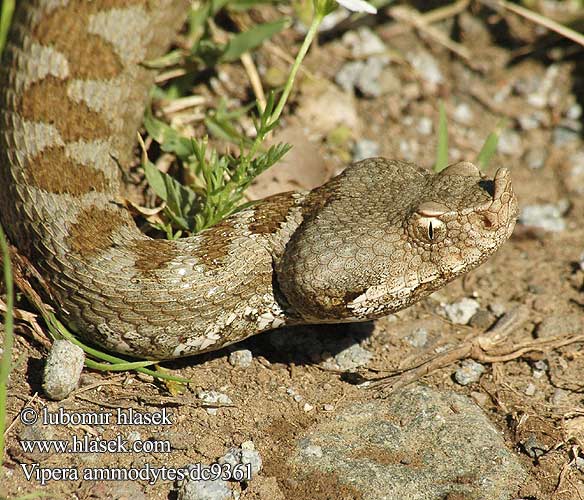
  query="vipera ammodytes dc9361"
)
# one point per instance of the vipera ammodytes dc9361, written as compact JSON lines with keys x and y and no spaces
{"x":373,"y":240}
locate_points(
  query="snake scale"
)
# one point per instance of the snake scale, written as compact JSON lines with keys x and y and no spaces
{"x":371,"y":241}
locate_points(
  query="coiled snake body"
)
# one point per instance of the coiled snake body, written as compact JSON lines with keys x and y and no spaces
{"x":371,"y":241}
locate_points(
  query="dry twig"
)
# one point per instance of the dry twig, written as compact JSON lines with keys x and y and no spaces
{"x":482,"y":348}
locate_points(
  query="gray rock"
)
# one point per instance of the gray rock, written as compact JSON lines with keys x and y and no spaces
{"x":463,"y":114}
{"x":350,"y":358}
{"x":535,"y":158}
{"x":469,"y":372}
{"x":364,"y":42}
{"x":424,"y":126}
{"x":427,"y":67}
{"x":310,"y":450}
{"x":211,"y":397}
{"x":564,"y":134}
{"x":575,"y":180}
{"x":418,"y":338}
{"x":510,"y":143}
{"x":62,"y":369}
{"x":462,"y":311}
{"x":482,"y":319}
{"x":540,"y":98}
{"x":205,"y":490}
{"x":401,"y":444}
{"x":364,"y":149}
{"x":348,"y":75}
{"x":559,"y":396}
{"x":531,"y":121}
{"x":560,"y":325}
{"x":547,"y":216}
{"x":574,"y":112}
{"x":244,"y":455}
{"x":364,"y":74}
{"x":241,"y":358}
{"x":533,"y":447}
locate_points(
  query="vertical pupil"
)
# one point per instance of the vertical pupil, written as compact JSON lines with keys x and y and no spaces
{"x":430,"y":231}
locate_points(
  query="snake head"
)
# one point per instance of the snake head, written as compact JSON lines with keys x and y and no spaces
{"x":385,"y":234}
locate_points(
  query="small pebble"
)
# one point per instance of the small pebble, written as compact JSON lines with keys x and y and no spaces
{"x":246,"y":454}
{"x":241,"y":359}
{"x":541,"y":365}
{"x":328,"y":407}
{"x":482,"y":319}
{"x":211,"y":397}
{"x":62,"y":369}
{"x":350,"y":358}
{"x":427,"y":67}
{"x":497,"y":308}
{"x":307,"y":407}
{"x":204,"y":490}
{"x":579,"y":462}
{"x":461,"y":312}
{"x":463,"y":114}
{"x":134,"y":436}
{"x":424,"y":126}
{"x":559,"y":324}
{"x":510,"y":143}
{"x":533,"y":447}
{"x":364,"y":149}
{"x":562,"y":135}
{"x":574,"y":112}
{"x":419,"y":338}
{"x":530,"y":121}
{"x":541,"y":96}
{"x":480,"y":398}
{"x":469,"y":372}
{"x":535,"y":158}
{"x":546,"y":216}
{"x":575,"y":178}
{"x":312,"y":450}
{"x":365,"y":73}
{"x":530,"y":389}
{"x":559,"y":396}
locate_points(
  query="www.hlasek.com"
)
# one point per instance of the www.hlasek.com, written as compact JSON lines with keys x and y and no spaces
{"x":194,"y":472}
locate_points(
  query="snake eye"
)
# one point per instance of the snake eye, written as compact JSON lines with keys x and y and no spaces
{"x":429,"y":229}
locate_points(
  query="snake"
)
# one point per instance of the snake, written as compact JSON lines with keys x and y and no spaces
{"x":371,"y":241}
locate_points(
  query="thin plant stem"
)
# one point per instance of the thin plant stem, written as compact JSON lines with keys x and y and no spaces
{"x":299,"y":57}
{"x":6,"y":360}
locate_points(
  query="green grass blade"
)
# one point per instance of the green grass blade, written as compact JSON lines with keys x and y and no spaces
{"x":5,"y":19}
{"x":490,"y":146}
{"x":6,"y":361}
{"x":442,"y":146}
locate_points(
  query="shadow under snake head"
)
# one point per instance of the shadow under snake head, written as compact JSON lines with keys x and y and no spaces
{"x":388,"y":233}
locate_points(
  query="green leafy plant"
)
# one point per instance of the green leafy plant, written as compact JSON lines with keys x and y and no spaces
{"x":221,"y":180}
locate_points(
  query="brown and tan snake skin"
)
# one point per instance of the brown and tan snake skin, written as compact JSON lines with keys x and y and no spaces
{"x":371,"y":241}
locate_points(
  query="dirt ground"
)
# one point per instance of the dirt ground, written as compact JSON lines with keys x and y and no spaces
{"x":533,"y":383}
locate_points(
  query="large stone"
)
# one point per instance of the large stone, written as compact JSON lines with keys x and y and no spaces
{"x":419,"y":444}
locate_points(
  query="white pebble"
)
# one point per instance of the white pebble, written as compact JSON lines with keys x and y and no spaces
{"x":62,"y":369}
{"x":241,"y":359}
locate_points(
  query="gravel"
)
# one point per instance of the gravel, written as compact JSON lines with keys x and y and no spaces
{"x":469,"y":372}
